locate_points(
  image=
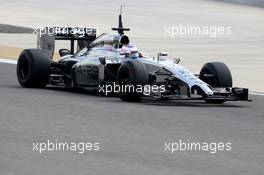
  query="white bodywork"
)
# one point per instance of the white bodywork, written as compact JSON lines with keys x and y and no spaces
{"x":181,"y":73}
{"x":177,"y":70}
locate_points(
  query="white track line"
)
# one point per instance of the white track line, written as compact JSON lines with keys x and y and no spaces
{"x":3,"y":60}
{"x":256,"y":93}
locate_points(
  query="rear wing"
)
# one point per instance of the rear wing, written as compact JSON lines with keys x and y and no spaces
{"x":48,"y":35}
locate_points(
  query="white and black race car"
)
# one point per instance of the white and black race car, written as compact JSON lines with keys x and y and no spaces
{"x":103,"y":60}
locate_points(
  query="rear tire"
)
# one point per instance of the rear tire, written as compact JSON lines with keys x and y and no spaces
{"x":134,"y":73}
{"x":33,"y":68}
{"x":221,"y":77}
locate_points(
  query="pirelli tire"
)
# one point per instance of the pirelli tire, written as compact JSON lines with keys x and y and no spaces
{"x":33,"y":68}
{"x":135,"y":73}
{"x":220,"y":77}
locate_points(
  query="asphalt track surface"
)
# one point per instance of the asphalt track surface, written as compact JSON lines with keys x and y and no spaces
{"x":131,"y":135}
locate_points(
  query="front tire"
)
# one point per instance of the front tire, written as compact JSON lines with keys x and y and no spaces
{"x":33,"y":68}
{"x":132,"y":73}
{"x":219,"y":76}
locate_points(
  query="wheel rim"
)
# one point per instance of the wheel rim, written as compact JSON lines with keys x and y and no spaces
{"x":24,"y":69}
{"x":212,"y":81}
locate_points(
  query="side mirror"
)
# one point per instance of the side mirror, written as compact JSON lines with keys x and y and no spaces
{"x":162,"y":56}
{"x":64,"y":52}
{"x":102,"y":60}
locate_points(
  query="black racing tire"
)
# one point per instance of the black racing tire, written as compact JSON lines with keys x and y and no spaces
{"x":132,"y":72}
{"x":221,"y":77}
{"x":33,"y":68}
{"x":221,"y":74}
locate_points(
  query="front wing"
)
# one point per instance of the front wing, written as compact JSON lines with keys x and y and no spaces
{"x":233,"y":94}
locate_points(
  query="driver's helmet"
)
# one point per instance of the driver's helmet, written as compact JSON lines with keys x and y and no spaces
{"x":130,"y":51}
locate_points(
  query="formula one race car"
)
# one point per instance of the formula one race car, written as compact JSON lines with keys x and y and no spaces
{"x":109,"y":63}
